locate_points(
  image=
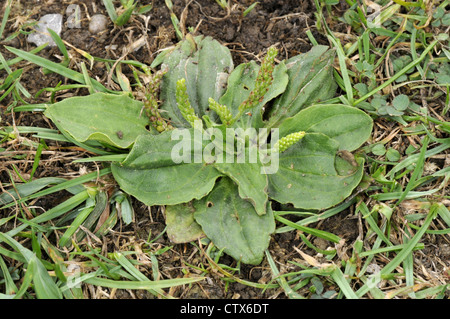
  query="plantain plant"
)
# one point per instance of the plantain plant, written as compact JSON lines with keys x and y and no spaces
{"x":283,"y":145}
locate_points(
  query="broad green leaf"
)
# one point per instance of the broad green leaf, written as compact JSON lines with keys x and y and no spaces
{"x":401,"y":102}
{"x":181,"y":225}
{"x":347,"y":125}
{"x":150,"y":174}
{"x":379,"y":149}
{"x":310,"y":80}
{"x":233,"y":224}
{"x":113,"y":119}
{"x":242,"y":81}
{"x":393,"y":155}
{"x":311,"y":176}
{"x":205,"y":64}
{"x":251,"y":180}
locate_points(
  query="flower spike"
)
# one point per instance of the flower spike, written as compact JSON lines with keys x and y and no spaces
{"x":221,"y":110}
{"x":287,"y":141}
{"x":183,"y":103}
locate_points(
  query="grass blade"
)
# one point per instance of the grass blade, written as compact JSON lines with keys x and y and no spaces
{"x":281,"y":280}
{"x":104,"y":158}
{"x":44,"y":285}
{"x":110,"y":9}
{"x":372,"y":223}
{"x":125,"y":263}
{"x":64,"y":185}
{"x":412,"y":243}
{"x":418,"y":170}
{"x":404,"y":253}
{"x":343,"y":284}
{"x":56,"y":211}
{"x":444,"y":213}
{"x":27,"y":189}
{"x":57,"y":68}
{"x":388,"y":249}
{"x":10,"y":287}
{"x":414,"y":158}
{"x":81,"y":217}
{"x":318,"y":233}
{"x":26,"y":282}
{"x":315,"y":217}
{"x":18,"y":59}
{"x":408,"y":267}
{"x":101,"y":204}
{"x":5,"y":18}
{"x":343,"y":69}
{"x":398,"y":74}
{"x":60,"y":44}
{"x":37,"y":158}
{"x":167,"y":283}
{"x":17,"y":84}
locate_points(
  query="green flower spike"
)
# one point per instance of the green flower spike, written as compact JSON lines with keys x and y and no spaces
{"x":287,"y":141}
{"x":183,"y":103}
{"x":221,"y":110}
{"x":263,"y":81}
{"x":151,"y":104}
{"x":156,"y":120}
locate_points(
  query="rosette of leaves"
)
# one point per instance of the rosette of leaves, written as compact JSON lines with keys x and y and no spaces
{"x":230,"y":200}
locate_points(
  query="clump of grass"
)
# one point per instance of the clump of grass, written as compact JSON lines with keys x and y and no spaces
{"x":401,"y":206}
{"x":404,"y":199}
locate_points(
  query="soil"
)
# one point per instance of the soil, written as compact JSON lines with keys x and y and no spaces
{"x":281,"y":22}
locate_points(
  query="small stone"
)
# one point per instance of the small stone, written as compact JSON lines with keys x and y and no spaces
{"x":41,"y":36}
{"x":111,"y":47}
{"x":98,"y":23}
{"x":73,"y":13}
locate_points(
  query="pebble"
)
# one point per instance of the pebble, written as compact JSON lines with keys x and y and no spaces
{"x":98,"y":23}
{"x":41,"y":36}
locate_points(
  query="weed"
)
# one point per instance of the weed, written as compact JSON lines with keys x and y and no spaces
{"x":395,"y":69}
